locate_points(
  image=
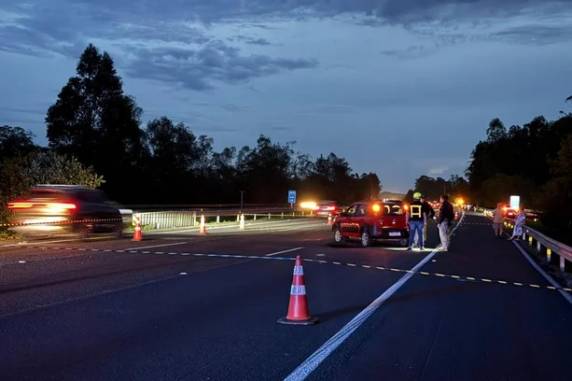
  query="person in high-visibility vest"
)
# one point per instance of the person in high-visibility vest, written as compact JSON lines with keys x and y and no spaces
{"x":416,"y":221}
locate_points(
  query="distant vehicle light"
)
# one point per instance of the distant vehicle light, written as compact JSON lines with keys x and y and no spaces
{"x":405,"y":207}
{"x":376,"y":208}
{"x":459,"y":201}
{"x":312,"y":205}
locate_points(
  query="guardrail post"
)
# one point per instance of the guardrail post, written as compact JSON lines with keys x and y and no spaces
{"x":238,"y":218}
{"x":269,"y":216}
{"x":529,"y":240}
{"x":538,"y":246}
{"x":294,"y":214}
{"x":282,"y":215}
{"x":194,"y":218}
{"x":218,"y":219}
{"x":242,"y":224}
{"x":548,"y":254}
{"x":562,"y":263}
{"x":254,"y":216}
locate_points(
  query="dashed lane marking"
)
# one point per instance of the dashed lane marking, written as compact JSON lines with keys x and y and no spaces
{"x":553,"y":287}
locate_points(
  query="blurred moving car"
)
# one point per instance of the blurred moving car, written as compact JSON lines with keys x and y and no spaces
{"x":371,"y":221}
{"x":328,"y":208}
{"x":57,"y":210}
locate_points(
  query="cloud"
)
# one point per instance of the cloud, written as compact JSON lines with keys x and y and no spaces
{"x":199,"y":69}
{"x":535,"y":34}
{"x":173,"y":41}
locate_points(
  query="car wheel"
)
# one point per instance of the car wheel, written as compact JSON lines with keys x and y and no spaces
{"x":365,"y":239}
{"x":338,"y":238}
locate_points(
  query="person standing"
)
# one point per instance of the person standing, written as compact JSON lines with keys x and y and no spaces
{"x":428,"y":214}
{"x":498,"y":220}
{"x":446,"y":217}
{"x":415,"y":221}
{"x":519,"y":221}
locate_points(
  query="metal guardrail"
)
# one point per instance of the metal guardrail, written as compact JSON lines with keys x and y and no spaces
{"x":172,"y":219}
{"x":544,"y":244}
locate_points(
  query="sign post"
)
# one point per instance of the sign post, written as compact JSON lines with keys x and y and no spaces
{"x":291,"y":198}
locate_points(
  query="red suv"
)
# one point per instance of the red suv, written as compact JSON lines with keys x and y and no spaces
{"x":372,"y":220}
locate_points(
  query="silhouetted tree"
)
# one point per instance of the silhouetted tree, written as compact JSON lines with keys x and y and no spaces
{"x":96,"y":122}
{"x":15,"y":141}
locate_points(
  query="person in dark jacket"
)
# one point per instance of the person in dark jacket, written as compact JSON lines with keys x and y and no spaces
{"x":446,"y":217}
{"x":428,"y":214}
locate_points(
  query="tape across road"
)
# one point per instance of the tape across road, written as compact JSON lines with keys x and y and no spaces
{"x":464,"y":278}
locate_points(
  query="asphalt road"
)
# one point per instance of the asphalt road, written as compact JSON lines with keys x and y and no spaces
{"x":179,"y":306}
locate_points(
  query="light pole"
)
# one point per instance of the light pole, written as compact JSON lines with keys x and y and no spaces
{"x":241,"y":200}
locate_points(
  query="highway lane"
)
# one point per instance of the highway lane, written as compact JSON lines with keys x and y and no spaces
{"x":164,"y":315}
{"x":442,"y":329}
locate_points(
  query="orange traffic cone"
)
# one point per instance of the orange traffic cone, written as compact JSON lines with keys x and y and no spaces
{"x":202,"y":226}
{"x":137,"y":233}
{"x":298,"y":312}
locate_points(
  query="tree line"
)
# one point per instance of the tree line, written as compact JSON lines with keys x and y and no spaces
{"x":96,"y":129}
{"x":533,"y":161}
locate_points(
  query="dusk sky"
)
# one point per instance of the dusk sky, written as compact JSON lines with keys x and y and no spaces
{"x":398,"y":87}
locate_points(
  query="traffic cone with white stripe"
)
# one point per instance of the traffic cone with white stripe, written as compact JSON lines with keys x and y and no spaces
{"x":298,"y":312}
{"x":137,"y":232}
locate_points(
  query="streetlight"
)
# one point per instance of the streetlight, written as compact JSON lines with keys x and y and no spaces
{"x":241,"y":200}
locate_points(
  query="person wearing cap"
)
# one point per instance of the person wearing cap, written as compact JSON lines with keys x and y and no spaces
{"x":415,"y":220}
{"x":428,"y":214}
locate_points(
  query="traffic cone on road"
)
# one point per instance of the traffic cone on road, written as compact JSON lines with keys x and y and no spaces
{"x":203,"y":226}
{"x":298,"y":312}
{"x":137,"y":232}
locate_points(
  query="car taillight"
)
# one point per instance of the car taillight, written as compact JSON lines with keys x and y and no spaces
{"x":20,"y":205}
{"x":60,"y":207}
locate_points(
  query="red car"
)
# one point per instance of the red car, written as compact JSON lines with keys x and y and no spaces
{"x":372,"y":220}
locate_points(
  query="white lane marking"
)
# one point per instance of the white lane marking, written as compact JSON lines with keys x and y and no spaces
{"x":155,"y":246}
{"x":550,"y":280}
{"x":316,"y":358}
{"x":284,"y":251}
{"x":320,"y":255}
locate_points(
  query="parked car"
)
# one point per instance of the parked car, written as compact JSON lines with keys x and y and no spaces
{"x":372,"y":221}
{"x":57,"y":210}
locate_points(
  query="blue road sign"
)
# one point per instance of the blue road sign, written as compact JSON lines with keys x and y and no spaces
{"x":291,"y":197}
